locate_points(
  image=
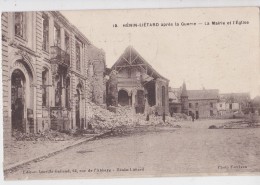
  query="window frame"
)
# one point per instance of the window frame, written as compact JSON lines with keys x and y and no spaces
{"x":230,"y":106}
{"x":78,"y":44}
{"x":56,"y":28}
{"x":24,"y":29}
{"x":47,"y":49}
{"x":67,"y":49}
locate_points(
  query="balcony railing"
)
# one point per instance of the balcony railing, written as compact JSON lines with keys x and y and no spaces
{"x":60,"y":56}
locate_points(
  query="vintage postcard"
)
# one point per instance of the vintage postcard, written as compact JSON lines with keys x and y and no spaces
{"x":131,"y":93}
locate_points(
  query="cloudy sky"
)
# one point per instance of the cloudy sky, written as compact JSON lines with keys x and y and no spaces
{"x":224,"y":57}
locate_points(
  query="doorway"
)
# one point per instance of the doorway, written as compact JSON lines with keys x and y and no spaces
{"x":78,"y":109}
{"x":123,"y":98}
{"x":18,"y":100}
{"x":197,"y":114}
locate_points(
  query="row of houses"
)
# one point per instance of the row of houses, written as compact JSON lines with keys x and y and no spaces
{"x":52,"y":72}
{"x":207,"y":103}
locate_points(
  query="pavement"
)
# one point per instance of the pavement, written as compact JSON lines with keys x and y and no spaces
{"x":191,"y":150}
{"x":33,"y":151}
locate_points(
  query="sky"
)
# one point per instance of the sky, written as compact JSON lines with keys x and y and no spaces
{"x":224,"y":57}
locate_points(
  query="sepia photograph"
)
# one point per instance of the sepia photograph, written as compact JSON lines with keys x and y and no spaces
{"x":94,"y":94}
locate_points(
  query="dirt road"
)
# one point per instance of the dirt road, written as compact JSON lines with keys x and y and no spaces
{"x":184,"y":151}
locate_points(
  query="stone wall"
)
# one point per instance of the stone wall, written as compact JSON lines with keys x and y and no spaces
{"x":203,"y":107}
{"x":5,"y":78}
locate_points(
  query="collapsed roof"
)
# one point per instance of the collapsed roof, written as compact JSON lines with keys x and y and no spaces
{"x":131,"y":58}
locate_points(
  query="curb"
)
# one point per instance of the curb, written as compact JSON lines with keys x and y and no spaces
{"x":15,"y":166}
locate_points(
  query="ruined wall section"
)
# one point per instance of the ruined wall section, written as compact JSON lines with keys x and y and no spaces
{"x":5,"y":79}
{"x":88,"y":84}
{"x":159,"y":85}
{"x":112,"y":96}
{"x":96,"y":72}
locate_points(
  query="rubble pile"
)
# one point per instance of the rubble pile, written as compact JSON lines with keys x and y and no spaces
{"x":104,"y":119}
{"x":126,"y":116}
{"x":236,"y":125}
{"x":239,"y":124}
{"x":181,"y":117}
{"x":48,"y":135}
{"x":170,"y":121}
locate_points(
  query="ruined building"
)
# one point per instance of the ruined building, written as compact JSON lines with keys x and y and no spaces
{"x":135,"y":81}
{"x":234,"y":102}
{"x":49,"y":68}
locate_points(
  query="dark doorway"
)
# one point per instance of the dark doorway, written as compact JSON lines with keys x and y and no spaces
{"x":139,"y":107}
{"x":17,"y":100}
{"x":150,"y":87}
{"x":211,"y":113}
{"x":123,"y":98}
{"x":78,"y":109}
{"x":197,"y":114}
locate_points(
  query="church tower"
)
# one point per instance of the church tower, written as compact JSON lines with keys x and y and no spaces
{"x":184,"y":100}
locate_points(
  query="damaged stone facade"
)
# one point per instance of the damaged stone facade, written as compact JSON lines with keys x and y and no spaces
{"x":234,"y":102}
{"x":97,"y":67}
{"x":48,"y":73}
{"x":135,"y":82}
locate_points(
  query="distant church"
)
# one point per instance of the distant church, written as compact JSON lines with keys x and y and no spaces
{"x":201,"y":103}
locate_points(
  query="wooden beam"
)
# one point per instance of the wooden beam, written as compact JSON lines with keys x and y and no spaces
{"x":142,"y":67}
{"x":127,"y":61}
{"x":137,"y":65}
{"x":118,"y":69}
{"x":135,"y":59}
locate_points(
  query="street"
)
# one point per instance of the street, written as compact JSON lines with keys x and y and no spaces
{"x":173,"y":152}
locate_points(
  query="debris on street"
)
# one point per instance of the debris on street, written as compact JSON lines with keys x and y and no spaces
{"x":238,"y":124}
{"x":48,"y":135}
{"x":126,"y":116}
